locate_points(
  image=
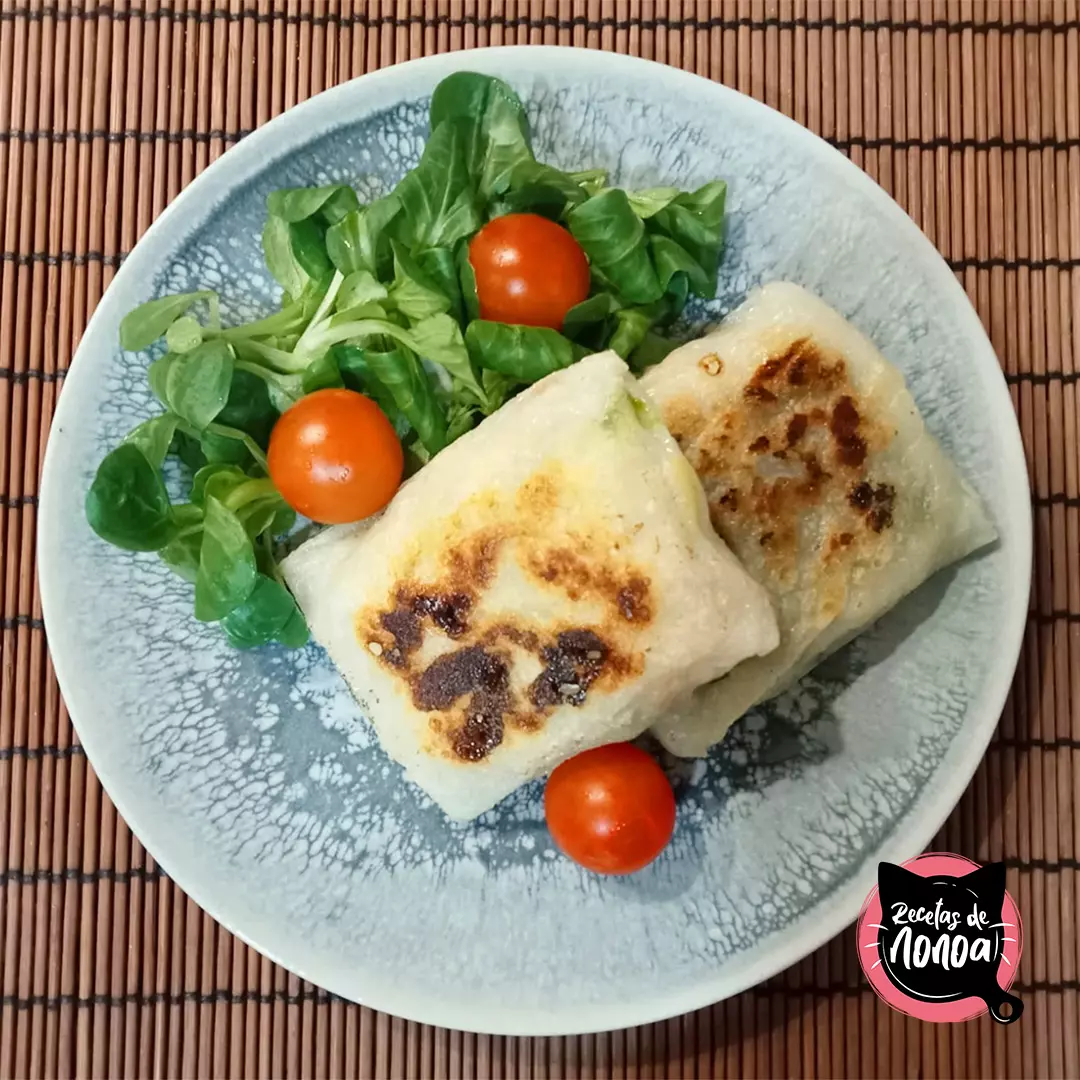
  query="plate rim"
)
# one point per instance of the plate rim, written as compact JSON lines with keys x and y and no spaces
{"x":910,"y":834}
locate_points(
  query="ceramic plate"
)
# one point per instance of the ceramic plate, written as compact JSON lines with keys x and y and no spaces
{"x":254,"y":781}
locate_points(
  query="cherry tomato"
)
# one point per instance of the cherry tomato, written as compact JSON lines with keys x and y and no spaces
{"x":610,"y":809}
{"x":335,"y":457}
{"x":529,"y":271}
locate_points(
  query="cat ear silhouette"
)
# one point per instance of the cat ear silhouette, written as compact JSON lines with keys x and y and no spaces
{"x":893,"y":879}
{"x":988,"y":884}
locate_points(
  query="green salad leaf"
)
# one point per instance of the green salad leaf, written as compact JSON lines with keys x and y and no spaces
{"x":181,"y":555}
{"x":416,"y":295}
{"x":439,"y":264}
{"x":522,"y":353}
{"x":631,"y":326}
{"x":127,"y":504}
{"x":651,"y":201}
{"x":360,"y":240}
{"x":248,"y":406}
{"x":280,"y":259}
{"x":264,"y":616}
{"x":590,"y":323}
{"x":540,"y":189}
{"x":490,"y":121}
{"x":467,"y":281}
{"x":651,"y":350}
{"x":613,"y":237}
{"x":227,"y":569}
{"x":307,"y":239}
{"x":294,"y":634}
{"x":139,"y":329}
{"x":439,"y":339}
{"x":154,"y":437}
{"x":184,"y":335}
{"x":398,"y":372}
{"x":360,"y":287}
{"x":672,"y":260}
{"x":332,"y":202}
{"x":439,"y":204}
{"x":196,"y":384}
{"x":695,"y":221}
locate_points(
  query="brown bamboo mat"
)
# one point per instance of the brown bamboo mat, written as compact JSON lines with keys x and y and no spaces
{"x":967,"y":113}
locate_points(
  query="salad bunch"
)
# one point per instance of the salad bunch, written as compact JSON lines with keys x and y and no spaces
{"x":481,"y":272}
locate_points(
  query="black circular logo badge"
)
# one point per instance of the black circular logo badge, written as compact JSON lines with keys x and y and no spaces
{"x":940,"y":938}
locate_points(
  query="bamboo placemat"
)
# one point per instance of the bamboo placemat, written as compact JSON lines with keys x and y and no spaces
{"x":967,"y":113}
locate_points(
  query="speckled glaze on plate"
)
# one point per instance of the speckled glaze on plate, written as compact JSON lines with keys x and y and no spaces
{"x":254,"y":781}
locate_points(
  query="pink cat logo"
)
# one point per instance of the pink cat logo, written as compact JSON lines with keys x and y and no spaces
{"x":940,"y":939}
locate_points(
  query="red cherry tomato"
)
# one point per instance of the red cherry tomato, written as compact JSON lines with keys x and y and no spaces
{"x":335,"y":457}
{"x":610,"y":809}
{"x":529,"y":271}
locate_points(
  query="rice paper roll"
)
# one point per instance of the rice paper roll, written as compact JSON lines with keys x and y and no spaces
{"x":820,"y":475}
{"x":548,"y":583}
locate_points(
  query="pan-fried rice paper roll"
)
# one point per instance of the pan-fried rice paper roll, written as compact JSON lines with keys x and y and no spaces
{"x":820,"y":475}
{"x":548,"y":583}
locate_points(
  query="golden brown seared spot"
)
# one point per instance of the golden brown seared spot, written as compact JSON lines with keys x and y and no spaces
{"x":844,"y":426}
{"x":684,"y":418}
{"x":795,"y":442}
{"x":799,"y":365}
{"x":468,"y":690}
{"x":632,"y":601}
{"x":482,"y":677}
{"x":590,"y":571}
{"x":876,"y":504}
{"x":538,"y":498}
{"x":572,"y":663}
{"x":449,"y":611}
{"x":796,"y":428}
{"x":838,"y":542}
{"x":471,"y":563}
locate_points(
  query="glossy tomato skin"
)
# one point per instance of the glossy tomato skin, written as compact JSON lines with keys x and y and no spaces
{"x":529,"y":271}
{"x":335,"y":457}
{"x":610,"y":809}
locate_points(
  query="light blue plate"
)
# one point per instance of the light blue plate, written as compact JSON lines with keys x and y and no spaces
{"x":256,"y":784}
